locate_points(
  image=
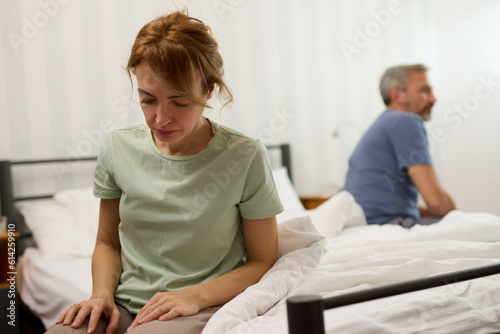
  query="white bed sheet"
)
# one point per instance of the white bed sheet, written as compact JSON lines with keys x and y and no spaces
{"x":48,"y":287}
{"x":363,"y":257}
{"x":352,"y":257}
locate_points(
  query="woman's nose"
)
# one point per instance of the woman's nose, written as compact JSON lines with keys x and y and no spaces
{"x":163,"y":116}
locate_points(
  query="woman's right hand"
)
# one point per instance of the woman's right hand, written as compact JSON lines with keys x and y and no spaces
{"x":94,"y":307}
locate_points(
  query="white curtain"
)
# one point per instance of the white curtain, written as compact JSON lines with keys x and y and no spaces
{"x":299,"y":70}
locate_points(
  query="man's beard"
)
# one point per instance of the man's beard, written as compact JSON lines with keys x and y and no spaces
{"x":425,"y":112}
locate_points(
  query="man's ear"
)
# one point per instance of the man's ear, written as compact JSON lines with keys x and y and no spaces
{"x":398,"y":96}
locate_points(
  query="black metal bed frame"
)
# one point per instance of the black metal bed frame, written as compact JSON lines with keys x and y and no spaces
{"x":305,"y":312}
{"x":286,"y":157}
{"x":7,"y":208}
{"x":7,"y":198}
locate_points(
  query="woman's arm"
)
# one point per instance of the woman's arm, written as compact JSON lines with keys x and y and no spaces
{"x":106,"y":269}
{"x":261,"y":241}
{"x":106,"y":260}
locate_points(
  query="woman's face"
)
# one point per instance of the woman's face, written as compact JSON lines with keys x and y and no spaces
{"x":174,"y":121}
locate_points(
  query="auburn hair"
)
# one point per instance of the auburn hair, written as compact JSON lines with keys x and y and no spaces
{"x":179,"y":49}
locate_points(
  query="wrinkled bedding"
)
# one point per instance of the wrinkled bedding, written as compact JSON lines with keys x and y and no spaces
{"x":355,"y":256}
{"x":326,"y":251}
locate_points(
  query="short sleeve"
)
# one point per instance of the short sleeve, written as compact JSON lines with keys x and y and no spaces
{"x":104,"y":182}
{"x":409,"y":140}
{"x":260,"y":198}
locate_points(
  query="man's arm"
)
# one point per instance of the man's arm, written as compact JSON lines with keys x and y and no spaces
{"x":438,"y":201}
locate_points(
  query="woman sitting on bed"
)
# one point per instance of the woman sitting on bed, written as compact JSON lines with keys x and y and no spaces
{"x":187,"y":214}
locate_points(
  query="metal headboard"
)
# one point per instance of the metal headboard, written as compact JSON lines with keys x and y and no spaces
{"x":7,"y":198}
{"x":286,"y":157}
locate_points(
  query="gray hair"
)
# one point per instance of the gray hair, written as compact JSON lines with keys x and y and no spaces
{"x":397,"y":77}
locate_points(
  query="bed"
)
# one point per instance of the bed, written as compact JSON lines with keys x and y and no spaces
{"x":326,"y":254}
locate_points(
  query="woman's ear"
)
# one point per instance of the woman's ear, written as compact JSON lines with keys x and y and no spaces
{"x":210,"y":91}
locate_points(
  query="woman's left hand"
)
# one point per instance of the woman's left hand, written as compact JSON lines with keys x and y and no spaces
{"x":261,"y":243}
{"x":167,"y":305}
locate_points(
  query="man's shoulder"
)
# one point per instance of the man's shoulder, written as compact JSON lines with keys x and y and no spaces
{"x":392,"y":115}
{"x":392,"y":120}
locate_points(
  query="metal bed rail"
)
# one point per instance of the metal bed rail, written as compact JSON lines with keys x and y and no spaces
{"x":305,"y":312}
{"x":7,"y":198}
{"x":286,"y":157}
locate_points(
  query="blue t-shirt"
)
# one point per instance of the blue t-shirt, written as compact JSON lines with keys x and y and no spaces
{"x":378,"y":177}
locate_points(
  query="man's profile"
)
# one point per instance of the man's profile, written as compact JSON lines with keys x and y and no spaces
{"x":391,"y":164}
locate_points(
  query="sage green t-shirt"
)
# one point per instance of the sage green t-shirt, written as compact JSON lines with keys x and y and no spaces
{"x":181,"y":216}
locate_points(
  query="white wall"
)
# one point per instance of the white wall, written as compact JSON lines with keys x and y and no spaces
{"x":314,"y":65}
{"x":468,"y":114}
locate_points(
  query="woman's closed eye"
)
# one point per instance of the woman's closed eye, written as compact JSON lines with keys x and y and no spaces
{"x":181,"y":105}
{"x":148,"y":101}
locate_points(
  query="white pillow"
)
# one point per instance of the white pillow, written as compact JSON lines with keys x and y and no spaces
{"x":62,"y":229}
{"x":337,"y":213}
{"x":286,"y":191}
{"x":83,"y":205}
{"x":66,"y":227}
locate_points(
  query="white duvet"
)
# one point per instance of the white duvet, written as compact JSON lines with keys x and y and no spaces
{"x":358,"y":256}
{"x":330,"y":251}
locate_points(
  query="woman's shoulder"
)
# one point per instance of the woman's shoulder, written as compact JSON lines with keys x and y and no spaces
{"x":231,"y":138}
{"x":131,"y":129}
{"x":226,"y":133}
{"x":129,"y":132}
{"x":127,"y":136}
{"x":229,"y":132}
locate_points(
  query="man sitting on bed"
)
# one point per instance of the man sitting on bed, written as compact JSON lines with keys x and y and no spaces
{"x":391,"y":164}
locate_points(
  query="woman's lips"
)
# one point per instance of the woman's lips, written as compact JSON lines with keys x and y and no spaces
{"x":165,"y":133}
